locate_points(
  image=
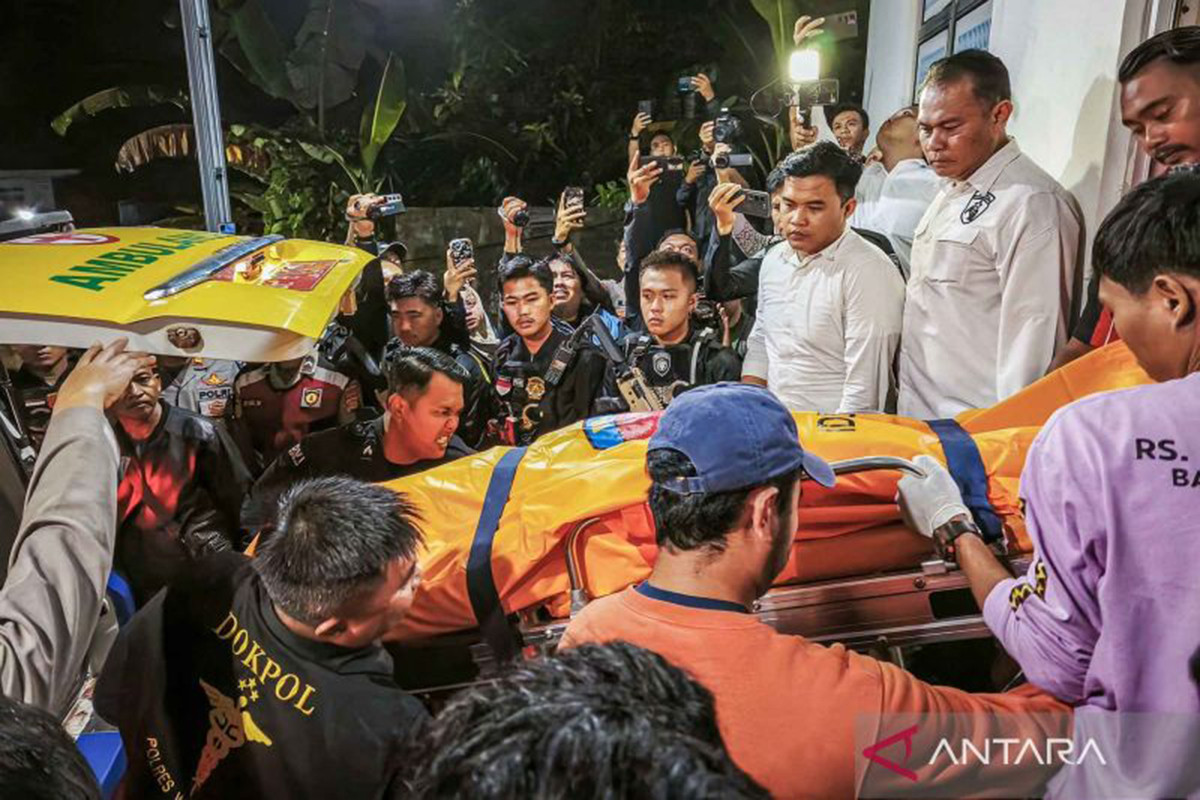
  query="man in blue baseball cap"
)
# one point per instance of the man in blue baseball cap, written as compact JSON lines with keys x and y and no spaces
{"x":727,"y":473}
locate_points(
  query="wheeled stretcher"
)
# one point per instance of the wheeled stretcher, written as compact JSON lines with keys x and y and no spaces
{"x":519,"y":539}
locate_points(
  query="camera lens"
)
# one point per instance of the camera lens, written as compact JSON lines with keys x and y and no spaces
{"x":520,"y":218}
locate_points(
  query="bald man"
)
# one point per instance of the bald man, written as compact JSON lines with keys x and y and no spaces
{"x":909,"y":187}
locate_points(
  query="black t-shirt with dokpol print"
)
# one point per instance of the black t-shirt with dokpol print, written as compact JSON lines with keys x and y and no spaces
{"x":216,"y":698}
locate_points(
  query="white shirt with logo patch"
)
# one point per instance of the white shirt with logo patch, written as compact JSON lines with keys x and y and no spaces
{"x":995,"y":264}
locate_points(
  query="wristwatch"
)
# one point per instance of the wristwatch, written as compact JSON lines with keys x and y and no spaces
{"x":945,"y":536}
{"x":557,"y":245}
{"x":633,"y":137}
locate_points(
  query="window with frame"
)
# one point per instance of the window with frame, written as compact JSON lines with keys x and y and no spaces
{"x":948,"y":27}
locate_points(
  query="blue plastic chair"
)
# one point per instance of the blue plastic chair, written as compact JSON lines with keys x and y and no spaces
{"x":105,"y":755}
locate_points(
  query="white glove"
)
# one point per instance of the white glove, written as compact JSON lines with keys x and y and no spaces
{"x":932,"y":501}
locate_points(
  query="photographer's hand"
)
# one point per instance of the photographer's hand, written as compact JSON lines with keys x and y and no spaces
{"x":512,"y":233}
{"x":695,"y":171}
{"x":568,"y":220}
{"x":806,"y":27}
{"x":723,"y":201}
{"x":706,"y":136}
{"x":801,"y":135}
{"x":726,"y":175}
{"x":640,"y":123}
{"x":456,"y":277}
{"x":641,"y":179}
{"x":704,"y":87}
{"x":361,"y":227}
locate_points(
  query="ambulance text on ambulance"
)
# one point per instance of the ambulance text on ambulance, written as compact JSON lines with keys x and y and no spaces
{"x":94,"y":273}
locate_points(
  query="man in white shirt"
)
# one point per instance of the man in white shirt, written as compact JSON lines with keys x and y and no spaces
{"x":995,"y":259}
{"x":909,"y":187}
{"x":867,"y":195}
{"x":829,"y":303}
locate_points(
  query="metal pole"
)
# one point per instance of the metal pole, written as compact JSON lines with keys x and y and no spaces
{"x":206,"y":115}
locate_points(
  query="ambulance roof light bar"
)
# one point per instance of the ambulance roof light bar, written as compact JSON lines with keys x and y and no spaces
{"x":204,"y":270}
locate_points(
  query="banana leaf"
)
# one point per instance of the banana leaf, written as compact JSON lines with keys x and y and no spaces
{"x":327,"y":155}
{"x":118,"y":97}
{"x":380,"y":118}
{"x":327,"y":53}
{"x":781,"y":16}
{"x":254,"y":47}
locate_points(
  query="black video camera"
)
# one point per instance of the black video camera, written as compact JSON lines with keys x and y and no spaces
{"x":727,"y":129}
{"x":520,"y":217}
{"x":687,"y":97}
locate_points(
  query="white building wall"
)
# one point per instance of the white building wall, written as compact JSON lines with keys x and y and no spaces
{"x":891,"y":57}
{"x":1062,"y":57}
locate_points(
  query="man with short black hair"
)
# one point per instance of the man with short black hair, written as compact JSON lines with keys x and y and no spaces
{"x":829,"y":303}
{"x":416,"y":432}
{"x":674,"y":354}
{"x":643,"y":235}
{"x":996,"y":258}
{"x":1160,"y":105}
{"x":265,"y":677}
{"x":726,"y":471}
{"x":725,"y":281}
{"x":417,"y":312}
{"x":850,"y":127}
{"x":609,"y":720}
{"x":545,"y":377}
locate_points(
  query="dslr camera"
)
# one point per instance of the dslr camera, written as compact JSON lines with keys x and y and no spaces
{"x":727,"y":129}
{"x":687,"y":97}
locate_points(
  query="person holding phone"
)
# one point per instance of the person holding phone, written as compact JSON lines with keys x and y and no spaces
{"x":578,"y":292}
{"x":417,"y":314}
{"x":661,"y":143}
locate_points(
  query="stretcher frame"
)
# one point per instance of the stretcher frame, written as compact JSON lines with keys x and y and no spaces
{"x":883,"y":613}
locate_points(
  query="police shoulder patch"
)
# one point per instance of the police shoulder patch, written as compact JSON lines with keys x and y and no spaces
{"x":296,"y":453}
{"x":311,"y":397}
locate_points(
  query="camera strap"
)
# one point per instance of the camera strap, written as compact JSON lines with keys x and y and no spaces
{"x":700,"y":342}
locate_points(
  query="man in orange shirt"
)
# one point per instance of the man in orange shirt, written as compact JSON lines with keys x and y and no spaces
{"x":726,"y":470}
